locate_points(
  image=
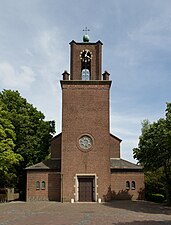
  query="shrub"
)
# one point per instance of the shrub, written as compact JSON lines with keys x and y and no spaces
{"x":159,"y":198}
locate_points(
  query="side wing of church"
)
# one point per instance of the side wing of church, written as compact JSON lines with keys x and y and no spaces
{"x":85,"y":164}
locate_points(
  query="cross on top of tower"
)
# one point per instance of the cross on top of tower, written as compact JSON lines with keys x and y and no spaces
{"x":86,"y":30}
{"x":85,"y":36}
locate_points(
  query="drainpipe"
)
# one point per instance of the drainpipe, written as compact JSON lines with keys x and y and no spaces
{"x":62,"y":188}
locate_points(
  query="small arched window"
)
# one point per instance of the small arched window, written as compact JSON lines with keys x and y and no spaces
{"x":133,"y":185}
{"x":85,"y":74}
{"x":127,"y":185}
{"x":37,"y":185}
{"x":43,"y":185}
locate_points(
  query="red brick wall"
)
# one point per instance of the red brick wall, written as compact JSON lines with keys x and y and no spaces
{"x":56,"y":146}
{"x":118,"y":185}
{"x":96,"y":62}
{"x":52,"y":189}
{"x":85,"y":109}
{"x":114,"y":147}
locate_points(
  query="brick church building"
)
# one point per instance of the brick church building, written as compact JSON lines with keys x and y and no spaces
{"x":85,"y":164}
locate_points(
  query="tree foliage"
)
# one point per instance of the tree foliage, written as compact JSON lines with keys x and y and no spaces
{"x":31,"y":133}
{"x":154,"y":148}
{"x":154,"y":183}
{"x":8,"y":158}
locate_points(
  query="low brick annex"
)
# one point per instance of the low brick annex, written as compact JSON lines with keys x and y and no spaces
{"x":85,"y":164}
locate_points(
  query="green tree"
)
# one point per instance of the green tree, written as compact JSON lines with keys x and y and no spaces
{"x":154,"y":183}
{"x":33,"y":133}
{"x":154,"y":149}
{"x":8,"y":158}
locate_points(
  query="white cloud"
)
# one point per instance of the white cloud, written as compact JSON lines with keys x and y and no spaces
{"x":50,"y":56}
{"x":125,"y":124}
{"x":29,"y":53}
{"x":145,"y":43}
{"x":126,"y":127}
{"x":11,"y":78}
{"x":49,"y":43}
{"x":47,"y":56}
{"x":123,"y":118}
{"x":154,"y":32}
{"x":136,"y":42}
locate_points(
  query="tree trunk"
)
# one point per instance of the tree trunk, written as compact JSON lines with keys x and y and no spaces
{"x":167,"y":184}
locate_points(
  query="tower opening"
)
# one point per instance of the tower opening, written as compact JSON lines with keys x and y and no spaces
{"x":85,"y":74}
{"x":86,"y":57}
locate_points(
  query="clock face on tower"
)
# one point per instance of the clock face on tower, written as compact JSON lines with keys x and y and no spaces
{"x":86,"y":55}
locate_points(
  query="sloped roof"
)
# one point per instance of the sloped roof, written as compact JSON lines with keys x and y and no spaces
{"x":51,"y":164}
{"x":118,"y":163}
{"x":56,"y":136}
{"x":112,"y":135}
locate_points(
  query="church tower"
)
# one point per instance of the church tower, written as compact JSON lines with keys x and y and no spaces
{"x":85,"y":163}
{"x":85,"y":154}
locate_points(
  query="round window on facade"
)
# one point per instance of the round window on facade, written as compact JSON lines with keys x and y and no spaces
{"x":85,"y":142}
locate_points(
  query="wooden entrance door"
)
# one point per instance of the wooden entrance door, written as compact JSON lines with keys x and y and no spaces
{"x":85,"y":189}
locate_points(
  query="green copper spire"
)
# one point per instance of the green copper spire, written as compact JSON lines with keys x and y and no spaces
{"x":85,"y":36}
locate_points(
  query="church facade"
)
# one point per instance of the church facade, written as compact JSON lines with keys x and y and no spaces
{"x":85,"y":164}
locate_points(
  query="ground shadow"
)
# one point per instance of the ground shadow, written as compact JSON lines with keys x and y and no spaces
{"x":140,"y":206}
{"x":123,"y":200}
{"x":146,"y":222}
{"x":122,"y":194}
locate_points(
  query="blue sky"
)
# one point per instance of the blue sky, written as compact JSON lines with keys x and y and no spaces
{"x":34,"y":51}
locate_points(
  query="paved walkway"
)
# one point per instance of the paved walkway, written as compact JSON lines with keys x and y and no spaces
{"x":53,"y":213}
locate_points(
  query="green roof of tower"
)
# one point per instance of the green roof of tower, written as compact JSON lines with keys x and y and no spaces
{"x":86,"y":38}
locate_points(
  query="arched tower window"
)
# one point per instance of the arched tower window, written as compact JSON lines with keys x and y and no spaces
{"x":85,"y":74}
{"x":86,"y":57}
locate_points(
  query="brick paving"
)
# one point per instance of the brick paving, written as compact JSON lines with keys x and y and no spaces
{"x":53,"y":213}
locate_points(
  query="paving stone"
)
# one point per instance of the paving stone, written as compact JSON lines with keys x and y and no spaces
{"x":113,"y":213}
